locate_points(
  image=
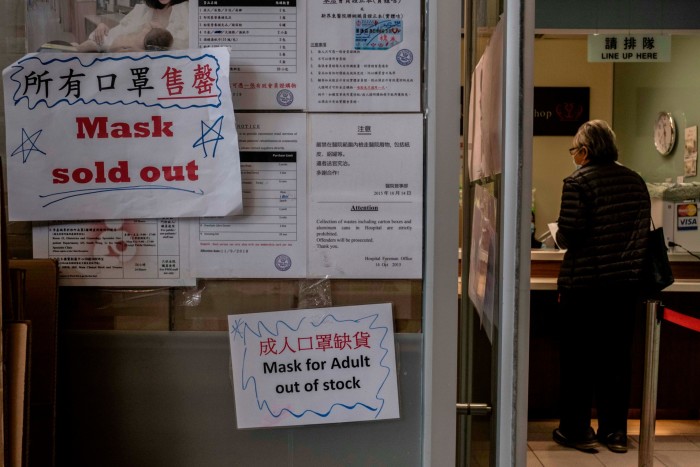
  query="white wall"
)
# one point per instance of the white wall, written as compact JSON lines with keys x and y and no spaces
{"x":642,"y":90}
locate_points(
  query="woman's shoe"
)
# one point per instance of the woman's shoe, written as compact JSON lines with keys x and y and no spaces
{"x":586,"y":444}
{"x":616,"y":442}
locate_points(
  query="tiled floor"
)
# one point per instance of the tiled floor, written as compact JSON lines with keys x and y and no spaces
{"x":676,"y":444}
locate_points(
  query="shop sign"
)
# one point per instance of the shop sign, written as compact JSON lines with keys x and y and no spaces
{"x":629,"y":48}
{"x":560,"y":111}
{"x":314,"y":366}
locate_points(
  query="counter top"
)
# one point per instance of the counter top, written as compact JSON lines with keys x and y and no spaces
{"x":558,"y":255}
{"x":680,"y":285}
{"x":545,"y":268}
{"x":546,"y":255}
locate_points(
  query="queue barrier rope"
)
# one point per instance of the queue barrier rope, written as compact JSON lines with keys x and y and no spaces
{"x":682,"y":320}
{"x":656,"y":312}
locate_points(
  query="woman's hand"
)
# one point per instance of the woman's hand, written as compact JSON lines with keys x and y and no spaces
{"x":100,"y":32}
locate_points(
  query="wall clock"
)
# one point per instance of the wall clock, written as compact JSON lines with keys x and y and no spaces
{"x":664,"y":133}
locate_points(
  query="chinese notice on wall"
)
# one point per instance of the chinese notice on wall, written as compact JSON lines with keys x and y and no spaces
{"x":364,"y":57}
{"x":316,"y":55}
{"x":365,"y":195}
{"x":314,"y":366}
{"x":117,"y":252}
{"x":118,"y":136}
{"x":106,"y":148}
{"x":267,"y":43}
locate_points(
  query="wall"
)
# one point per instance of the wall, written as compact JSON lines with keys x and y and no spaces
{"x":629,"y":96}
{"x":606,"y":14}
{"x":641,"y":91}
{"x":564,"y":62}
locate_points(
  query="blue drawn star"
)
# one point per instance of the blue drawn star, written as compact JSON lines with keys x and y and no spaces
{"x":28,"y":145}
{"x":236,"y":328}
{"x":210,"y":135}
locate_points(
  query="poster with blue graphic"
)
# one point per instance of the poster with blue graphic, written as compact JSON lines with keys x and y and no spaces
{"x":314,"y":366}
{"x":112,"y":136}
{"x":364,"y":56}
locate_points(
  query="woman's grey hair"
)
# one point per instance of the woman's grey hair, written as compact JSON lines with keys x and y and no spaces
{"x":599,"y":139}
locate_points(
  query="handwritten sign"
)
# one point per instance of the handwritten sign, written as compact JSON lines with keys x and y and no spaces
{"x":315,"y":366}
{"x":121,"y":136}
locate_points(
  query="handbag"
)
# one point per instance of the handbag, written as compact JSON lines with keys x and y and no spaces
{"x":657,"y":270}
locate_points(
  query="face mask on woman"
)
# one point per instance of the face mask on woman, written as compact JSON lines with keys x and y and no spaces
{"x":575,"y":151}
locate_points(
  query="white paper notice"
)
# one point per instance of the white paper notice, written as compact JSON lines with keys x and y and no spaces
{"x":364,"y":57}
{"x":127,"y":253}
{"x":269,"y":238}
{"x":320,"y":365}
{"x":117,"y":136}
{"x":267,"y":42}
{"x":553,"y":229}
{"x":366,"y":196}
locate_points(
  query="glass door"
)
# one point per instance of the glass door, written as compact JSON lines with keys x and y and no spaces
{"x":494,"y":300}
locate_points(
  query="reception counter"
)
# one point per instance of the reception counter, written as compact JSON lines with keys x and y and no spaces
{"x":545,"y":267}
{"x":679,"y":359}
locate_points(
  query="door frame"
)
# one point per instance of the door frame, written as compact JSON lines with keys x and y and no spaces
{"x":440,"y":304}
{"x":512,"y":311}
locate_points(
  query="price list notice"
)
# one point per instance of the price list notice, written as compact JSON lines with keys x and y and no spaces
{"x":261,"y":35}
{"x":268,"y":239}
{"x":269,"y":200}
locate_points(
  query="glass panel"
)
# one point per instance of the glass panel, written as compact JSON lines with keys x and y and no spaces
{"x":116,"y":379}
{"x":142,"y":398}
{"x":476,"y":358}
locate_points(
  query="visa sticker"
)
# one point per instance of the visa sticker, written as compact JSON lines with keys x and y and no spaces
{"x":687,"y":216}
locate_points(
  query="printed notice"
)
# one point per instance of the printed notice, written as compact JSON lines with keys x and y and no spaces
{"x":269,"y":238}
{"x":690,"y":151}
{"x":119,"y":252}
{"x":364,"y":57}
{"x":313,"y":366}
{"x":267,"y":43}
{"x":366,"y":196}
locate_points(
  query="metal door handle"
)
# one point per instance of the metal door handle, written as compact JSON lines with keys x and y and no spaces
{"x":472,"y":408}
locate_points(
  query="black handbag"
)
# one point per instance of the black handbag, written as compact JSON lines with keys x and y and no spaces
{"x":658,"y":273}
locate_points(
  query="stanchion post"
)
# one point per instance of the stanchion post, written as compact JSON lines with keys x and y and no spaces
{"x":647,"y":424}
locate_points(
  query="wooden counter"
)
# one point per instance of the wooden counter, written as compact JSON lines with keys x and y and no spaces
{"x":679,"y":357}
{"x":545,"y":268}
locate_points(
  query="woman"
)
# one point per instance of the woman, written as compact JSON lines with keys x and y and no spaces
{"x":172,"y":15}
{"x":603,"y":225}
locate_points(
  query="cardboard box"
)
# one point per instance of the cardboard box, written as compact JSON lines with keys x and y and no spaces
{"x":206,"y":307}
{"x":40,"y":308}
{"x":97,"y":308}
